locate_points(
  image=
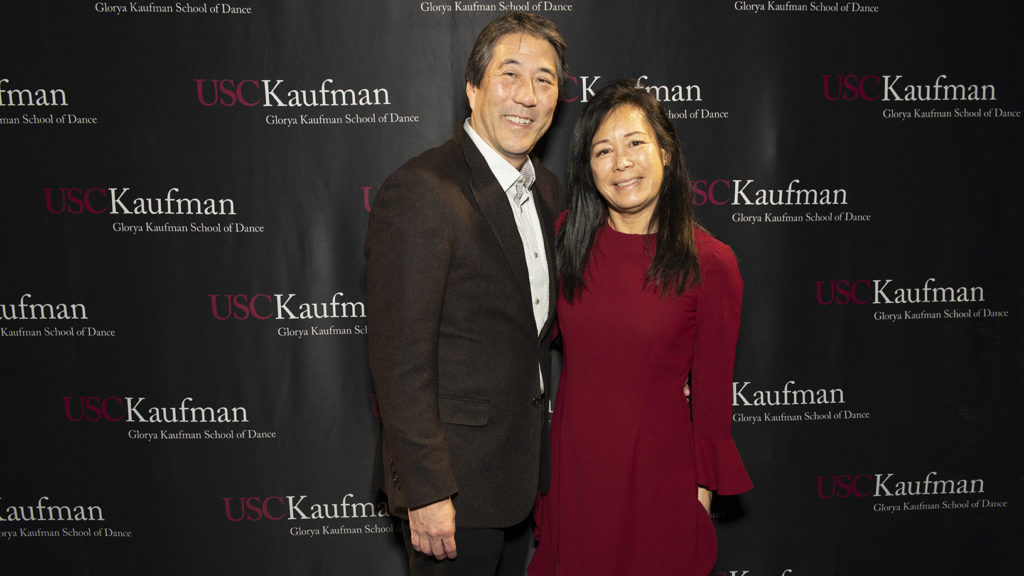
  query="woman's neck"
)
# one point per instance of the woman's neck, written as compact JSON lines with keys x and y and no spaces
{"x":630,"y":223}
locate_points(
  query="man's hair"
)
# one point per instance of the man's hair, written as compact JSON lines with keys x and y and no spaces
{"x":514,"y":23}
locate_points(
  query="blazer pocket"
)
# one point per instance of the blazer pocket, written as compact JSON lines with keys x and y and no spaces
{"x":464,"y":411}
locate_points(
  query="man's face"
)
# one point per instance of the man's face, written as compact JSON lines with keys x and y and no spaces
{"x":513,"y":105}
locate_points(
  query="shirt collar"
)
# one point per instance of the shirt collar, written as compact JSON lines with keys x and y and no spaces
{"x":506,"y":173}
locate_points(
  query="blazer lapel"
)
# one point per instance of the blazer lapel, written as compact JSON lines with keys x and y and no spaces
{"x":497,"y":212}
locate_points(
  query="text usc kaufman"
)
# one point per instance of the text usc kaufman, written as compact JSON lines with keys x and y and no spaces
{"x":113,"y":200}
{"x":892,"y":88}
{"x":247,"y":92}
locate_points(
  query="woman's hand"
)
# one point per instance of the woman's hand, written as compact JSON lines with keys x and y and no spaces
{"x":704,"y":497}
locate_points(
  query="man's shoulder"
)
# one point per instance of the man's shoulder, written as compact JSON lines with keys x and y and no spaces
{"x":438,"y":161}
{"x":423,"y":183}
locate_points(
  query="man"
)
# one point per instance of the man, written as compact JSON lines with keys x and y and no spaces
{"x":460,"y":263}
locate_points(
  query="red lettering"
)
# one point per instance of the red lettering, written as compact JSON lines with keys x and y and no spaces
{"x":241,"y":98}
{"x":199,"y":92}
{"x":92,"y":409}
{"x":230,"y":96}
{"x":241,"y":303}
{"x":853,"y":291}
{"x":88,"y":201}
{"x":850,"y":87}
{"x":239,"y":306}
{"x":252,"y":503}
{"x":226,"y":92}
{"x":843,"y":486}
{"x":855,"y":482}
{"x":266,"y":513}
{"x":863,"y":93}
{"x":92,"y":405}
{"x":74,"y":200}
{"x":366,"y":197}
{"x":252,"y":306}
{"x":704,"y":191}
{"x":575,"y":82}
{"x":851,"y":91}
{"x":842,"y":292}
{"x":253,"y":508}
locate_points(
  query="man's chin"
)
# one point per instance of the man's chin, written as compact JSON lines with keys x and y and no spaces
{"x":521,"y":147}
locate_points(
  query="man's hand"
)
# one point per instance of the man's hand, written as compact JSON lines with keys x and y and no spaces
{"x":432,"y":529}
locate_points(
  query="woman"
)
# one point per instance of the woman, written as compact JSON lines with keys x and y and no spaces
{"x":647,"y":300}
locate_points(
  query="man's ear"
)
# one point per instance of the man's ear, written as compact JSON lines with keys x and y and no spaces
{"x":471,"y":95}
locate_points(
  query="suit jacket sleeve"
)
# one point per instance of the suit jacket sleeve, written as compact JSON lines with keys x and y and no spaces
{"x":408,"y":249}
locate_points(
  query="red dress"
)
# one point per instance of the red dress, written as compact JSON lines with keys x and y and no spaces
{"x":626,"y":456}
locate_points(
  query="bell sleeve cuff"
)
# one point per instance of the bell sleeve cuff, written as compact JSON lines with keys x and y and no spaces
{"x":719,"y":467}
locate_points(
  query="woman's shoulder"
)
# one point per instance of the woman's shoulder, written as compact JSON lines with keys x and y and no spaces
{"x":707,"y":243}
{"x":712,"y":252}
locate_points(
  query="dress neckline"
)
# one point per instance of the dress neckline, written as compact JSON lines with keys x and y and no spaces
{"x":615,"y":232}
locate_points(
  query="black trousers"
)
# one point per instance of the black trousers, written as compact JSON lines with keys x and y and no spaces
{"x":482,"y":552}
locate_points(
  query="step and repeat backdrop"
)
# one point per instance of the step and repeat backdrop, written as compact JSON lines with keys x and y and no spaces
{"x":182,"y":310}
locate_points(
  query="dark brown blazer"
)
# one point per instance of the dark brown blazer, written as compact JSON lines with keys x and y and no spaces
{"x":453,"y":343}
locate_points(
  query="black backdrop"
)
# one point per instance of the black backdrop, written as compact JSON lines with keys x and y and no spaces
{"x":185,"y":383}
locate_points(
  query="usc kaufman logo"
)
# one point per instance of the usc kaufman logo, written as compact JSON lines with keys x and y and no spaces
{"x":285,"y":307}
{"x":929,"y":493}
{"x":941,"y":91}
{"x":135,"y":411}
{"x":783,"y":204}
{"x":581,"y":89}
{"x":790,"y":403}
{"x":375,"y":517}
{"x":43,"y":98}
{"x":63,"y":514}
{"x":252,"y":93}
{"x":879,"y":292}
{"x":26,"y":310}
{"x":121,"y":202}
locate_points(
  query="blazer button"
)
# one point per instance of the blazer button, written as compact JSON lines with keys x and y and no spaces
{"x":538,"y":400}
{"x":394,"y":474}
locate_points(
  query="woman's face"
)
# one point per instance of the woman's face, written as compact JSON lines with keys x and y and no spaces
{"x":627,"y":164}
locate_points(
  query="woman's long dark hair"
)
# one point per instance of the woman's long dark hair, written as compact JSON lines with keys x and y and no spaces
{"x":674,"y":267}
